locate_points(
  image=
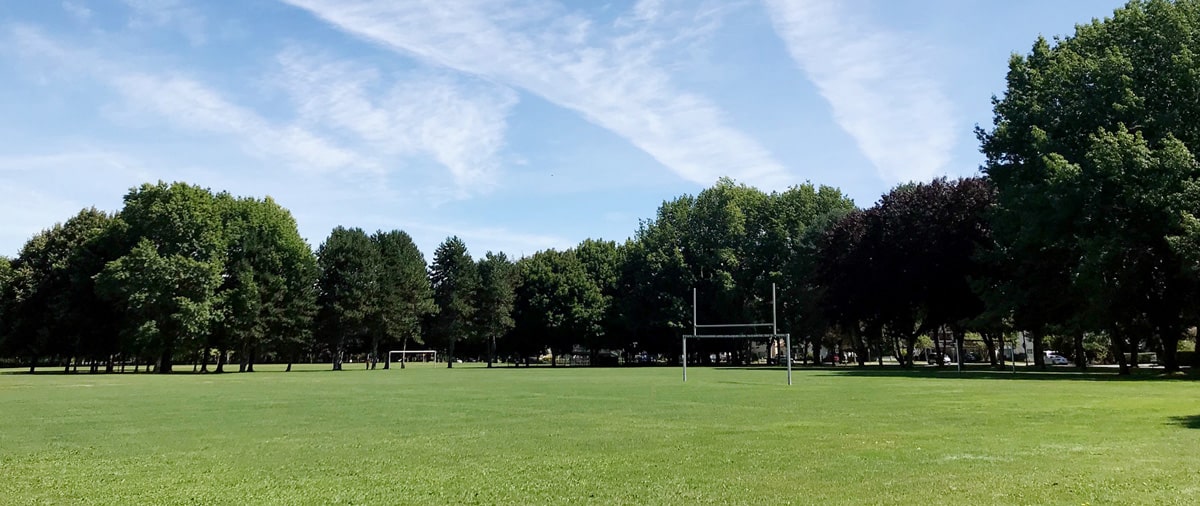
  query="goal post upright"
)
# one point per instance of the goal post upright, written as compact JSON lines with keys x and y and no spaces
{"x":775,"y":330}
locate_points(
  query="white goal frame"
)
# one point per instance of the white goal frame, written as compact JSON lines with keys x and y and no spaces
{"x":405,"y":353}
{"x":773,"y":335}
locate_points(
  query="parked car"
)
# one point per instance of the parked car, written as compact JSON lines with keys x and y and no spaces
{"x":1057,"y":360}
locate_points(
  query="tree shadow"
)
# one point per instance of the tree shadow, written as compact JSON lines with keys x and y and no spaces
{"x":1190,"y":422}
{"x":978,"y":372}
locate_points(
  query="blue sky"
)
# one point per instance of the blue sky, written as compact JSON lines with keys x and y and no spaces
{"x":518,"y":125}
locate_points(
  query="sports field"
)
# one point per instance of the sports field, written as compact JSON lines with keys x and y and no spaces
{"x":428,"y":435}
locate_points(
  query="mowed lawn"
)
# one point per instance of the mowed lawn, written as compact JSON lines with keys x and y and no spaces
{"x":427,"y":435}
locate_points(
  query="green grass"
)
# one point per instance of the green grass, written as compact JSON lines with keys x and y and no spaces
{"x":602,"y":436}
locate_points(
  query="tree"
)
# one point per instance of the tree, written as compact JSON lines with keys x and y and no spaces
{"x":347,"y":291}
{"x":53,"y":307}
{"x":6,"y":298}
{"x":167,"y":300}
{"x":455,"y":281}
{"x":268,"y":296}
{"x":167,"y":282}
{"x":405,"y":297}
{"x":559,"y":304}
{"x":495,"y":299}
{"x":602,"y":261}
{"x":1099,"y":120}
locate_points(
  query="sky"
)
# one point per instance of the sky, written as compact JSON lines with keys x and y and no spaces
{"x":517,"y":125}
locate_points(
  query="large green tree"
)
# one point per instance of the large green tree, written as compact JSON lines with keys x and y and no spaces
{"x":495,"y":300}
{"x":559,"y":304}
{"x":268,"y":294}
{"x":53,"y":306}
{"x":1088,"y":125}
{"x":602,"y":262}
{"x":455,"y":282}
{"x":167,"y":282}
{"x":404,"y":296}
{"x":347,"y":293}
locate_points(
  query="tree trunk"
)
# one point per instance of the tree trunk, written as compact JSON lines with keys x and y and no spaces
{"x":937,"y":347}
{"x":108,"y":366}
{"x":554,"y":358}
{"x":250,"y":357}
{"x":1170,"y":344}
{"x":337,"y":353}
{"x":1039,"y":356}
{"x":1080,"y":353}
{"x":204,"y":360}
{"x":404,"y":356}
{"x":491,"y":351}
{"x":989,"y":342}
{"x":450,"y":355}
{"x":911,"y":342}
{"x":32,"y":363}
{"x":1118,"y":348}
{"x":1133,"y":352}
{"x":221,"y":357}
{"x":960,"y":338}
{"x":1000,"y":356}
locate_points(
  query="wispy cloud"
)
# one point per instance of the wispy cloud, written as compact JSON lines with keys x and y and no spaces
{"x":482,"y":239}
{"x":611,"y":75}
{"x":459,"y":124}
{"x":174,"y":14}
{"x":347,"y":121}
{"x":878,"y":83}
{"x":77,"y":11}
{"x":189,"y":104}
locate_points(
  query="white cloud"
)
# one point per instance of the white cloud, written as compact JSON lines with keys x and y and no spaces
{"x":175,"y":14}
{"x":482,"y":239}
{"x":459,"y":124}
{"x":77,"y":11}
{"x":878,"y":83}
{"x":188,"y":104}
{"x":609,"y":75}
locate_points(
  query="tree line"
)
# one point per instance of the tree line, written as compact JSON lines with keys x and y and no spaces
{"x":1081,"y":232}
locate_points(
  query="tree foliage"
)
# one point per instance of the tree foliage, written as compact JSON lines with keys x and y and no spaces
{"x":1090,"y":153}
{"x":455,"y":282}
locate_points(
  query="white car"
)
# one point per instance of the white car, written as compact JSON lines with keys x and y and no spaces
{"x":1057,"y":360}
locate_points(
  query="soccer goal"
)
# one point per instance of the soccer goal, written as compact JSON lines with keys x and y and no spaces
{"x":421,"y":355}
{"x":773,"y":337}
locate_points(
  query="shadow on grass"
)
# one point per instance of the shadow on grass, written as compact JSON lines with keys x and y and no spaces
{"x":1190,"y":422}
{"x":977,"y":372}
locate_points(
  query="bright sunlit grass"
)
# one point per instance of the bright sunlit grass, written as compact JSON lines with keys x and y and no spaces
{"x":604,"y":436}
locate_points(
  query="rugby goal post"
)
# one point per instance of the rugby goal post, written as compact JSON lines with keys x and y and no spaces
{"x":773,"y":336}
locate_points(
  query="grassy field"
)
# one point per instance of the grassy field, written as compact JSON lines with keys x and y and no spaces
{"x":604,"y":436}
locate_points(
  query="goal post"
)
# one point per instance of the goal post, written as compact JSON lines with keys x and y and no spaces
{"x":774,"y":336}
